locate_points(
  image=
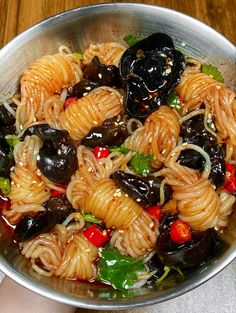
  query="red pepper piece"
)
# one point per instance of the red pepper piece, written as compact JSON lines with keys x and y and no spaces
{"x":5,"y":203}
{"x":69,"y":101}
{"x":100,"y":152}
{"x":180,"y":232}
{"x":155,"y":211}
{"x":230,"y":181}
{"x":57,"y":193}
{"x":97,"y":237}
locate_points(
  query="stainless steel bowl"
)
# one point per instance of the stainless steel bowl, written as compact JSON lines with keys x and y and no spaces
{"x":101,"y":23}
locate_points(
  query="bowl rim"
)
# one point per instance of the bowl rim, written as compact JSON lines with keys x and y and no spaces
{"x":118,"y":304}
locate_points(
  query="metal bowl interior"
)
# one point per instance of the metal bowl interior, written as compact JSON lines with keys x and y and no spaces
{"x":76,"y":29}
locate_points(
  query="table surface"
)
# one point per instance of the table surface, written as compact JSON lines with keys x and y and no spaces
{"x":219,"y":294}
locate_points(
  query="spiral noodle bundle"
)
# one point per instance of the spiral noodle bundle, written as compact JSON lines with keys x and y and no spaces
{"x":138,"y":239}
{"x":47,"y":248}
{"x":198,"y":203}
{"x":108,"y":53}
{"x":199,"y":89}
{"x":226,"y":208}
{"x":91,"y":170}
{"x":104,"y":200}
{"x":158,"y":136}
{"x":53,"y":107}
{"x":90,"y":111}
{"x":43,"y":79}
{"x":26,"y":152}
{"x":92,"y":191}
{"x":78,"y":260}
{"x":62,"y":254}
{"x":28,"y":190}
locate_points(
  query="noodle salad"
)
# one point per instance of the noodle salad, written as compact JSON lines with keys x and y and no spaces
{"x":118,"y":163}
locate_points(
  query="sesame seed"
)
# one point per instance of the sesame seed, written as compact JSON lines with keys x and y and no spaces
{"x":218,"y":87}
{"x":138,"y":200}
{"x":121,"y":231}
{"x":85,"y":94}
{"x":184,"y":144}
{"x":100,"y":75}
{"x":38,"y":172}
{"x":20,"y":163}
{"x":88,"y":88}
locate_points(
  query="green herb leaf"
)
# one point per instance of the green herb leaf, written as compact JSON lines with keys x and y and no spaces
{"x":90,"y":218}
{"x":118,"y":270}
{"x":171,"y":281}
{"x":12,"y":140}
{"x":121,"y":149}
{"x":140,"y":163}
{"x":5,"y":186}
{"x":79,"y":55}
{"x":174,"y":101}
{"x":212,"y":71}
{"x":131,"y":39}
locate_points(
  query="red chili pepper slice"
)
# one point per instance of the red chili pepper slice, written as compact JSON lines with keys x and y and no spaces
{"x":155,"y":211}
{"x":230,"y":181}
{"x":69,"y":101}
{"x":97,"y":237}
{"x":57,"y":193}
{"x":5,"y":203}
{"x":180,"y":232}
{"x":101,"y":152}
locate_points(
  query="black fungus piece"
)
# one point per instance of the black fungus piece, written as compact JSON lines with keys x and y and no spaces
{"x":194,"y":132}
{"x":56,"y":211}
{"x":113,"y":132}
{"x":46,"y":132}
{"x":57,"y":157}
{"x":5,"y":162}
{"x":144,"y":190}
{"x":7,"y":122}
{"x":57,"y":161}
{"x":83,"y":87}
{"x":102,"y":74}
{"x":151,"y":69}
{"x":187,"y":255}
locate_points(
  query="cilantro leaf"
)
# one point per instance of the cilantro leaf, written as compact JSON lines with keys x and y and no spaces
{"x":118,"y":270}
{"x":90,"y":218}
{"x":79,"y":55}
{"x":140,"y":163}
{"x":12,"y":140}
{"x":131,"y":39}
{"x":174,"y":101}
{"x":5,"y":186}
{"x":169,"y":281}
{"x":212,"y":71}
{"x":121,"y":149}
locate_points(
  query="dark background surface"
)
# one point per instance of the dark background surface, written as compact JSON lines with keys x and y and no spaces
{"x":18,"y":15}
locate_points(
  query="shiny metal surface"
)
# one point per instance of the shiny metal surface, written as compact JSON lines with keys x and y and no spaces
{"x":77,"y":28}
